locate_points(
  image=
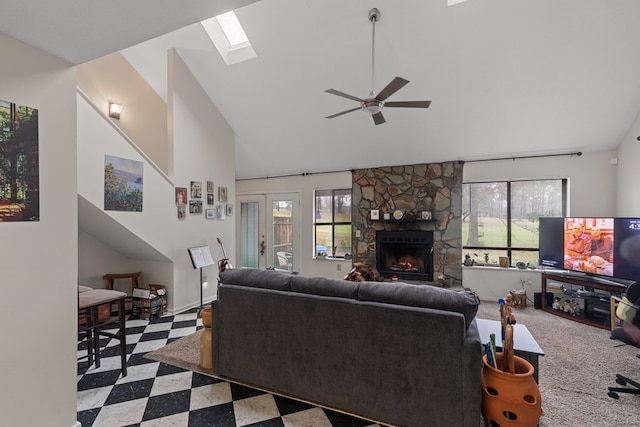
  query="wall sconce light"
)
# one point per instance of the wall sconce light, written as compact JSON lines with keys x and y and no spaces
{"x":114,"y":110}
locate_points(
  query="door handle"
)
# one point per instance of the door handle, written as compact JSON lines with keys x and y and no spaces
{"x":262,"y":246}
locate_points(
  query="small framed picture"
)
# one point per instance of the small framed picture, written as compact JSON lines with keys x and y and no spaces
{"x":182,"y":214}
{"x":220,"y":212}
{"x":222,"y":194}
{"x":209,"y":186}
{"x":181,"y":196}
{"x":196,"y":189}
{"x":229,"y":209}
{"x":209,"y":199}
{"x":210,"y":213}
{"x":195,"y":206}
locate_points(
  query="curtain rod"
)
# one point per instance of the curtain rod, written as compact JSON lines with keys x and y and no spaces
{"x":295,"y":174}
{"x":576,"y":153}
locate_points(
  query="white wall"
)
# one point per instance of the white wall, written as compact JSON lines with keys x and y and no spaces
{"x":38,"y":260}
{"x":305,"y":186}
{"x":492,"y":283}
{"x":144,"y":113}
{"x":97,"y":259}
{"x":201,"y":150}
{"x":629,"y":173}
{"x":592,"y":178}
{"x":592,"y":192}
{"x":590,"y":174}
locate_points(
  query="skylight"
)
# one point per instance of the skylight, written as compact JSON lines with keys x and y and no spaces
{"x":232,"y":28}
{"x":227,"y":35}
{"x":452,"y":2}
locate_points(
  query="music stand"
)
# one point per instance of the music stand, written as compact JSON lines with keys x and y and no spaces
{"x":200,"y":258}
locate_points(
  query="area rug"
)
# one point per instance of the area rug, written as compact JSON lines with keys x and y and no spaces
{"x":183,"y":353}
{"x":580,"y":362}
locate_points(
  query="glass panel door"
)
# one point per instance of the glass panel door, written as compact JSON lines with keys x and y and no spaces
{"x":284,"y":234}
{"x":277,"y":245}
{"x":250,"y":230}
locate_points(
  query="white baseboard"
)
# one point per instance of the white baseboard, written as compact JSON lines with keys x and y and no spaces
{"x":188,"y":307}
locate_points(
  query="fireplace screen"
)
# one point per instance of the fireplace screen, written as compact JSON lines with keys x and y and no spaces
{"x":405,"y":254}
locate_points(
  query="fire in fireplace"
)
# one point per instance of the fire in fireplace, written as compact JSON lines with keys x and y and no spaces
{"x":405,"y":254}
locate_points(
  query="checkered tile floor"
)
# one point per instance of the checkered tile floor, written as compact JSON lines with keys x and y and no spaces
{"x":157,"y":394}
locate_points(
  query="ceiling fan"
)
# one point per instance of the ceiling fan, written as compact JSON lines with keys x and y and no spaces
{"x":373,"y":104}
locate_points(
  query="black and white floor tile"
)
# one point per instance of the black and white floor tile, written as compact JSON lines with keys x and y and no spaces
{"x":157,"y":394}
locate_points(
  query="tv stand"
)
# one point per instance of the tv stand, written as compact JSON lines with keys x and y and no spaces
{"x":581,"y":298}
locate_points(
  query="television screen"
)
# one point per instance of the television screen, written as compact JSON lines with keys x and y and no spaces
{"x":602,"y":246}
{"x":551,"y":244}
{"x":626,"y":249}
{"x":588,"y":245}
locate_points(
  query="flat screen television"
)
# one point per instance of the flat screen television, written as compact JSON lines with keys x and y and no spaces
{"x":599,"y":246}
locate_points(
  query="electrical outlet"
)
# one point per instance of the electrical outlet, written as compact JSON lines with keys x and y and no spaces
{"x":339,"y":267}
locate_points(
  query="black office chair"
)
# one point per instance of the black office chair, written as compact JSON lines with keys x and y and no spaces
{"x":628,"y":311}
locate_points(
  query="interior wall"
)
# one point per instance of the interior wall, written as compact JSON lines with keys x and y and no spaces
{"x":203,"y":150}
{"x":628,"y":173}
{"x":592,"y":178}
{"x":144,"y":113}
{"x":38,"y":259}
{"x":305,"y":186}
{"x":592,"y":192}
{"x":99,"y":259}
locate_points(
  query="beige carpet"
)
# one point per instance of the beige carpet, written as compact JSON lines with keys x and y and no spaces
{"x":580,"y":362}
{"x":183,"y":353}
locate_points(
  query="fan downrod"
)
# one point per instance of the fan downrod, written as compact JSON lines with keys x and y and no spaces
{"x":374,"y":14}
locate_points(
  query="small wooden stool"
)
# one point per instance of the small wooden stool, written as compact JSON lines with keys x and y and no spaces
{"x":109,"y":278}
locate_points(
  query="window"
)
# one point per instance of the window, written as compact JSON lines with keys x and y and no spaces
{"x":228,"y":36}
{"x":332,"y":223}
{"x":500,"y":219}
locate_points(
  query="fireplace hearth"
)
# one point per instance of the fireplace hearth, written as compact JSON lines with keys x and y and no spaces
{"x":407,"y":254}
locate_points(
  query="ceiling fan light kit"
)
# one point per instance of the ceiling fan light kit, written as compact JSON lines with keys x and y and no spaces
{"x":374,"y":104}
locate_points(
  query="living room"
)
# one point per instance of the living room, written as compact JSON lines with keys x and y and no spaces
{"x":66,"y":255}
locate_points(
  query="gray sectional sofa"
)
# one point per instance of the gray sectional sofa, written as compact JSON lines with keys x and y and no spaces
{"x":394,"y":353}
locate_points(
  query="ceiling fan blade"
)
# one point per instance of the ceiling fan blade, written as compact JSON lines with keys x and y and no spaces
{"x":344,"y":95}
{"x":378,"y":118}
{"x":395,"y":85}
{"x":343,"y":112}
{"x":408,"y":104}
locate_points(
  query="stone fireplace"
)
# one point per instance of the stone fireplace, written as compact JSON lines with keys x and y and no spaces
{"x":435,"y":188}
{"x":407,"y":255}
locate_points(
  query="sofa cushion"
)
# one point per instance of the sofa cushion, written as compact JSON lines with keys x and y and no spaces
{"x":257,"y":278}
{"x":425,"y":296}
{"x":325,"y":287}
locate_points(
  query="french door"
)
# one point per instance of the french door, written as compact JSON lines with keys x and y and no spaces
{"x":268,"y":230}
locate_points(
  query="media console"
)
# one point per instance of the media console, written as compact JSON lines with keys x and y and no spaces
{"x":581,"y":297}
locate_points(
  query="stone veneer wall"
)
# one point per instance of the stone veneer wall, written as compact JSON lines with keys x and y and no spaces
{"x":435,"y":187}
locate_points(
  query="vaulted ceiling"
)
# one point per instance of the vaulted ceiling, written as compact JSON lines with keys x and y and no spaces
{"x":505,"y":77}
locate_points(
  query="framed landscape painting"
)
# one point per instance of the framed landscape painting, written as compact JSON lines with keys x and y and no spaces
{"x":123,"y":183}
{"x":19,"y":163}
